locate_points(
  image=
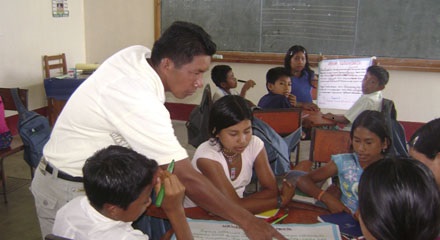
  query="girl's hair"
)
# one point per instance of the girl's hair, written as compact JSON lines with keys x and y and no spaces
{"x":399,"y":199}
{"x":375,"y":122}
{"x":228,"y":111}
{"x":426,"y":139}
{"x":290,"y":53}
{"x":219,"y":74}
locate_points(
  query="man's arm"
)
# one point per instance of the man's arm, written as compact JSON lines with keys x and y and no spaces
{"x":204,"y":194}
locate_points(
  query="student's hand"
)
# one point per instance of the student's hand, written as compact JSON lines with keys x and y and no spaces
{"x":174,"y":192}
{"x":334,"y":205}
{"x":248,"y":84}
{"x":292,"y":99}
{"x":287,"y":192}
{"x":310,"y":107}
{"x":329,"y":116}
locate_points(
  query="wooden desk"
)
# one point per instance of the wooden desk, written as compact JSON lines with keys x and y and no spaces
{"x":58,"y":92}
{"x":298,"y":213}
{"x":315,"y":119}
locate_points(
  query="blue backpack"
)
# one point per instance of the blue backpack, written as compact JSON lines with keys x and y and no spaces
{"x":34,"y":130}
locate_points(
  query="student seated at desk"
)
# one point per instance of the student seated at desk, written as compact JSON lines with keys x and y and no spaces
{"x":372,"y":85}
{"x":279,"y":86}
{"x":118,"y":183}
{"x":296,"y":61}
{"x":226,"y":82}
{"x":424,"y":146}
{"x":229,"y":156}
{"x":370,"y":142}
{"x":398,"y":200}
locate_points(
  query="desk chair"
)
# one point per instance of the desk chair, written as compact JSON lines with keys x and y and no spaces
{"x":284,"y":121}
{"x":54,"y":62}
{"x":17,"y":144}
{"x":326,"y":142}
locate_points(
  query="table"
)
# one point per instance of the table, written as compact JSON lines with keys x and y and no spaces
{"x":315,"y":119}
{"x":58,"y":91}
{"x":298,"y":213}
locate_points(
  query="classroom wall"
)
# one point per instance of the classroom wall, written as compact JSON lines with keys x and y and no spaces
{"x":27,"y":32}
{"x":96,"y":29}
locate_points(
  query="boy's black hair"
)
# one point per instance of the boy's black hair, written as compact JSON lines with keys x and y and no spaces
{"x":380,"y":73}
{"x":219,"y":74}
{"x":274,"y":74}
{"x":399,"y":199}
{"x":117,"y":175}
{"x":181,"y":42}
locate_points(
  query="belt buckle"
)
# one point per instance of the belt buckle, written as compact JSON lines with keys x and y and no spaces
{"x":42,"y":165}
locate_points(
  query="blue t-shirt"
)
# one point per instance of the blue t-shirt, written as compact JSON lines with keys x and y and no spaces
{"x":301,"y":87}
{"x":349,"y":173}
{"x":271,"y":100}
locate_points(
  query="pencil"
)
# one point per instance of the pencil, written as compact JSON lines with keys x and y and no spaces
{"x":161,"y":193}
{"x":280,"y":219}
{"x":242,"y":81}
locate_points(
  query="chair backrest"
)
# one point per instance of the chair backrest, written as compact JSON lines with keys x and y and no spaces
{"x":283,"y":121}
{"x":197,"y":124}
{"x":8,"y":101}
{"x":54,"y":62}
{"x":326,"y":142}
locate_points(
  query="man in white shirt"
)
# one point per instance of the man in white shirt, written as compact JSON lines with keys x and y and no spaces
{"x":123,"y":103}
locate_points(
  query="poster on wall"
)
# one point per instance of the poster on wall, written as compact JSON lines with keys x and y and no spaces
{"x":60,"y":8}
{"x":340,"y":82}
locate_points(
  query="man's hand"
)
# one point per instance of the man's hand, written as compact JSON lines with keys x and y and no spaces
{"x":258,"y":229}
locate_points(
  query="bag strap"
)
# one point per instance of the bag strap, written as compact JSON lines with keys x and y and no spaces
{"x":18,"y":103}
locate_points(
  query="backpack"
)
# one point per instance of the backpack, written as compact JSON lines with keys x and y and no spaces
{"x":277,"y":147}
{"x":396,"y":130}
{"x":197,"y":124}
{"x":34,"y":130}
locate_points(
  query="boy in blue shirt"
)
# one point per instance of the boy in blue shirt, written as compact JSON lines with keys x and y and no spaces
{"x":279,"y":86}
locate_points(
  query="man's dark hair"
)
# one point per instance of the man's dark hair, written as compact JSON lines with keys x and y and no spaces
{"x":117,"y":175}
{"x":181,"y":42}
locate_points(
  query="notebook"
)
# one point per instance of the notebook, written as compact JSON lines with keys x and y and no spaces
{"x":348,"y":226}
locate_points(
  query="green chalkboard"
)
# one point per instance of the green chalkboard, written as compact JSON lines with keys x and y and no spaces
{"x":382,"y":28}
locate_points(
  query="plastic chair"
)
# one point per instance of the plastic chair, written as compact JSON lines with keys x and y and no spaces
{"x":54,"y":62}
{"x":326,"y":142}
{"x":17,"y":144}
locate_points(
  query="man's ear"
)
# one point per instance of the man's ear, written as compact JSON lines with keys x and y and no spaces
{"x":270,"y":86}
{"x":166,"y":64}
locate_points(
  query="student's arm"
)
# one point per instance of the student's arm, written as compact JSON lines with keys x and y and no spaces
{"x":307,"y":184}
{"x":337,"y":118}
{"x":247,"y":85}
{"x":307,"y":106}
{"x":172,"y":206}
{"x":200,"y":190}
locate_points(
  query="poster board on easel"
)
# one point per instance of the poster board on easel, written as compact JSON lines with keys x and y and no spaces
{"x":340,"y":82}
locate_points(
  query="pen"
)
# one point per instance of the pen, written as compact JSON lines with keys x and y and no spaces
{"x":161,"y":193}
{"x":280,"y":219}
{"x":242,"y":81}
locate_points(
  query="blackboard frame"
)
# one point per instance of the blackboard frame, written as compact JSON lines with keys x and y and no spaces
{"x":404,"y":64}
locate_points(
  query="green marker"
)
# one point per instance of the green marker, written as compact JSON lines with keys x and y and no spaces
{"x":161,"y":193}
{"x":280,"y":219}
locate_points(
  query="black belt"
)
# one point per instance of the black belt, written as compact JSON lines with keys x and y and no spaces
{"x":63,"y":175}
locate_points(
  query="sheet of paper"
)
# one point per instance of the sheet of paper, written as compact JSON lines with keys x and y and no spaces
{"x":340,"y":82}
{"x":209,"y":229}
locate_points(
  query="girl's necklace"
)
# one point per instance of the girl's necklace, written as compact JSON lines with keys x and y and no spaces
{"x":230,"y":158}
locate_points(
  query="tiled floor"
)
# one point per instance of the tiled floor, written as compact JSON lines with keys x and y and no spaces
{"x":18,"y":220}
